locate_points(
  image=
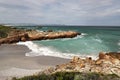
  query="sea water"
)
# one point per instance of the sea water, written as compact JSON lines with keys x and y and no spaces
{"x":94,"y":39}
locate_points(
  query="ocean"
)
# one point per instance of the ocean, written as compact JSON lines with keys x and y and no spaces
{"x":94,"y":39}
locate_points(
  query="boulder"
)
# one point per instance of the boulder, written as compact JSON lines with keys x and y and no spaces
{"x":102,"y":55}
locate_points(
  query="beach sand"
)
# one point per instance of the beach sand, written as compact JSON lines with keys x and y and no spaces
{"x":14,"y":63}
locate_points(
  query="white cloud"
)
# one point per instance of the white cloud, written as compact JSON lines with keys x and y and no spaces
{"x":58,"y":11}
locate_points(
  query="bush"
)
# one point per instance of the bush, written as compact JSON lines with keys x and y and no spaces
{"x":71,"y":76}
{"x":4,"y":31}
{"x":3,"y":34}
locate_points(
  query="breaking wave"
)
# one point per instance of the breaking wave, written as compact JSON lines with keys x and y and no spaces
{"x":39,"y":50}
{"x":119,"y":44}
{"x":77,"y":37}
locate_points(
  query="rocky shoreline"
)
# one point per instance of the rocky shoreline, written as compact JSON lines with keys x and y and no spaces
{"x":107,"y":63}
{"x":16,"y":35}
{"x":106,"y":67}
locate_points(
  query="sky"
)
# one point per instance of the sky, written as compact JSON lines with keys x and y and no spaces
{"x":65,"y":12}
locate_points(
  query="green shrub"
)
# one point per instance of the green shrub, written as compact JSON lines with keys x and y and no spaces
{"x":3,"y":34}
{"x":4,"y":31}
{"x":71,"y":76}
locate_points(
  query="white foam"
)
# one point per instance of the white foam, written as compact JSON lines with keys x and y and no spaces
{"x":98,"y":40}
{"x":77,"y":37}
{"x":83,"y":34}
{"x":37,"y":50}
{"x":119,"y":44}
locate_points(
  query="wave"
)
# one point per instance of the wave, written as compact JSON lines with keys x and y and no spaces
{"x":39,"y":50}
{"x":77,"y":37}
{"x":83,"y":34}
{"x":98,"y":40}
{"x":118,"y":43}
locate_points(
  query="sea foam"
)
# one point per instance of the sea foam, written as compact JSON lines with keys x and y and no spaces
{"x":77,"y":37}
{"x":118,"y":43}
{"x":38,"y":50}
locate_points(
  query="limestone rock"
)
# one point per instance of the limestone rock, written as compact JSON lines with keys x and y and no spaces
{"x":114,"y":55}
{"x":106,"y":64}
{"x":35,"y":35}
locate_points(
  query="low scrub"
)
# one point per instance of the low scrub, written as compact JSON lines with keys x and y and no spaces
{"x":4,"y":30}
{"x":70,"y":76}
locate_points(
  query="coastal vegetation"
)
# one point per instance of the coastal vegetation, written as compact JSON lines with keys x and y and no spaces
{"x":71,"y":76}
{"x":8,"y":31}
{"x":4,"y":30}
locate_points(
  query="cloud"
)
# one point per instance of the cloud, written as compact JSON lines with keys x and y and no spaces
{"x":60,"y":11}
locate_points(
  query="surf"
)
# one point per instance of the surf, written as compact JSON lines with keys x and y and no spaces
{"x":37,"y":50}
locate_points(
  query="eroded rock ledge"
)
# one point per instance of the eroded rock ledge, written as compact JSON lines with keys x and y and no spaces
{"x":31,"y":35}
{"x":107,"y":63}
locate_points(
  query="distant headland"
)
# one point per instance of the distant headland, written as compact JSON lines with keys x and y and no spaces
{"x":10,"y":34}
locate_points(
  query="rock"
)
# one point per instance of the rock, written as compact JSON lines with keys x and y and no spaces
{"x":88,"y":60}
{"x":98,"y":62}
{"x":82,"y":65}
{"x":116,"y":71}
{"x":105,"y":64}
{"x":40,"y":37}
{"x":48,"y":71}
{"x":104,"y":56}
{"x":115,"y":61}
{"x":14,"y":39}
{"x":62,"y":66}
{"x":27,"y":35}
{"x":23,"y":39}
{"x":75,"y":59}
{"x":101,"y":55}
{"x":114,"y":55}
{"x":50,"y":31}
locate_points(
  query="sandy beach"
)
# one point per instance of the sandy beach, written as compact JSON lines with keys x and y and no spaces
{"x":14,"y":63}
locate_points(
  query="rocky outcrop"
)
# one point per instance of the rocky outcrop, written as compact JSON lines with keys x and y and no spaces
{"x":52,"y":35}
{"x":114,"y":55}
{"x":107,"y":63}
{"x":14,"y":39}
{"x":35,"y":35}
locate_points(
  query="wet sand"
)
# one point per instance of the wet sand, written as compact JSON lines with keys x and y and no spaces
{"x":13,"y":62}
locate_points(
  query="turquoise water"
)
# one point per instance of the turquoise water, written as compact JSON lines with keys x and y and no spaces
{"x":92,"y":41}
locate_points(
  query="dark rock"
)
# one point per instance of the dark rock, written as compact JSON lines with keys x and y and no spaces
{"x":50,"y":31}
